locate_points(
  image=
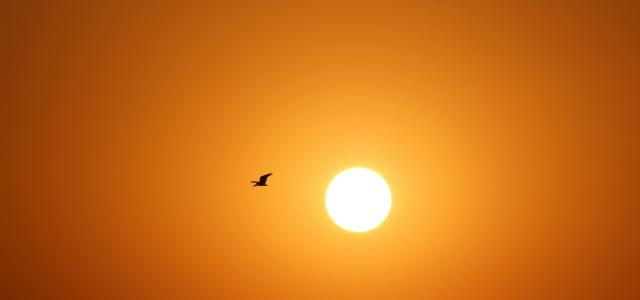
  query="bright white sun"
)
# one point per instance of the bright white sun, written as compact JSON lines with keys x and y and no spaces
{"x":358,"y":199}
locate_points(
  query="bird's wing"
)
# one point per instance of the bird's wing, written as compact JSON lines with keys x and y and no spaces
{"x":264,"y":177}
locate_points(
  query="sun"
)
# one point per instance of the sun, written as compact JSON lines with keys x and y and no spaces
{"x":358,"y":199}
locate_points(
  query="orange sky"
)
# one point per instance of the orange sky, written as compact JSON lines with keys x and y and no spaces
{"x":506,"y":131}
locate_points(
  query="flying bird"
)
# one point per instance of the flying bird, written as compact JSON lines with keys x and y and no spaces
{"x":262,"y":181}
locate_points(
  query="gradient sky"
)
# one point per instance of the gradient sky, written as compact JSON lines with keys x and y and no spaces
{"x":507,"y":131}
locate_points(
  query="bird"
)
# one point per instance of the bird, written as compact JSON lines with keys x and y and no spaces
{"x":262,"y":181}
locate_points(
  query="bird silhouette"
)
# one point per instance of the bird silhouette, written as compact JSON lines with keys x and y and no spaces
{"x":262,"y":181}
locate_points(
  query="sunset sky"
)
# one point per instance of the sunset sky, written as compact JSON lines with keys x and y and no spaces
{"x":507,"y":131}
